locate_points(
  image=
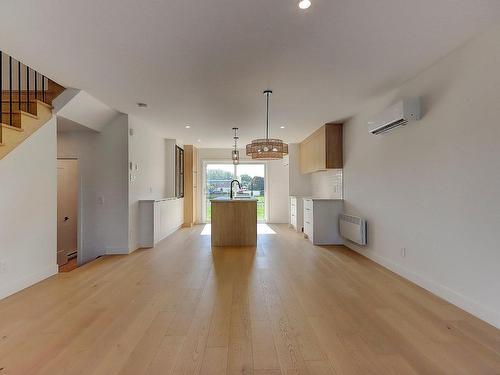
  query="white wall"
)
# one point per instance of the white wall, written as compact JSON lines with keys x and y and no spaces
{"x":102,"y":159}
{"x":278,"y":192}
{"x":300,"y":184}
{"x":432,"y":187}
{"x":169,"y":166}
{"x":81,"y":107}
{"x":327,"y":184}
{"x":155,"y":177}
{"x":28,"y":208}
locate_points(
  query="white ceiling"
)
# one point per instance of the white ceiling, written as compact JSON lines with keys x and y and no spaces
{"x":206,"y":62}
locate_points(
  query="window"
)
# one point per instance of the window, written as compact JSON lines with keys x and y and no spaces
{"x":217,"y":182}
{"x":179,"y":172}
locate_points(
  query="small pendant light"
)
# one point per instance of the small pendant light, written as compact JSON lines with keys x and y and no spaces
{"x":235,"y":154}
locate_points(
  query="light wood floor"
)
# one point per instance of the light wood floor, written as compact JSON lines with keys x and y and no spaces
{"x":287,"y":307}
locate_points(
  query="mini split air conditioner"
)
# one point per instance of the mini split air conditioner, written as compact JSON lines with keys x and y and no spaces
{"x":396,"y":115}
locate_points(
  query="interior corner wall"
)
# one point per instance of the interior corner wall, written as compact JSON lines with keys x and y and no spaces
{"x":103,"y":193}
{"x":153,"y":171}
{"x":299,"y":184}
{"x":278,"y":191}
{"x":432,"y":187}
{"x":28,"y":208}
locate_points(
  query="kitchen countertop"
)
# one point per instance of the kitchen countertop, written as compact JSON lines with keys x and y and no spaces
{"x":226,"y":200}
{"x":159,"y":200}
{"x":315,"y":199}
{"x":324,"y":199}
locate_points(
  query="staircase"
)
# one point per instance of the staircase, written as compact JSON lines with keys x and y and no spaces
{"x":26,"y":102}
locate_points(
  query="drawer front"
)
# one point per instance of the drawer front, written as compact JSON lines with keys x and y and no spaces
{"x":308,"y":203}
{"x":308,"y":214}
{"x":293,"y":210}
{"x":308,"y":230}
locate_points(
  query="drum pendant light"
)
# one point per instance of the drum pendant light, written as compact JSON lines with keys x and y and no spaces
{"x":267,"y":148}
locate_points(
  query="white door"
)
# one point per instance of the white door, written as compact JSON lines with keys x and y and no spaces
{"x":67,"y":209}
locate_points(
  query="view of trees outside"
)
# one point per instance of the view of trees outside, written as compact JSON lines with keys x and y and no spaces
{"x":251,"y":177}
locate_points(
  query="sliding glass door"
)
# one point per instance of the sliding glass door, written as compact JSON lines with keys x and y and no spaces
{"x":217,"y":183}
{"x":252,"y":179}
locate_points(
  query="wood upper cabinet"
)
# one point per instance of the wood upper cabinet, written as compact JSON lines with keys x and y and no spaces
{"x":190,"y":184}
{"x":322,"y":149}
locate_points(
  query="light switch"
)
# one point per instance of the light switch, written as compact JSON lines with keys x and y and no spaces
{"x":100,"y":200}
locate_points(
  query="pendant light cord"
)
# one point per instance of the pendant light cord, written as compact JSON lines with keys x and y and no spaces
{"x":268,"y":93}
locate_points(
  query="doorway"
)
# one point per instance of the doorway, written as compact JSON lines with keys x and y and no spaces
{"x":217,"y":177}
{"x":67,"y":214}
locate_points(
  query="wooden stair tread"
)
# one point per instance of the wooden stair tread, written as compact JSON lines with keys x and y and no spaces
{"x":44,"y":104}
{"x":12,"y":127}
{"x":23,"y":112}
{"x":29,"y":114}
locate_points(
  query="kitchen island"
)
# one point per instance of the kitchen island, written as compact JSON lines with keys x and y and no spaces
{"x":234,"y":222}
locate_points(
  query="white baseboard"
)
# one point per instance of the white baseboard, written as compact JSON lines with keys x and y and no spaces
{"x":169,"y":233}
{"x":471,"y":306}
{"x":27,"y":281}
{"x":116,"y":251}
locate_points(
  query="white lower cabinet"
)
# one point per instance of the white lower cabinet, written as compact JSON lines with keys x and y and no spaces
{"x":296,"y":213}
{"x":158,"y":219}
{"x":321,"y":220}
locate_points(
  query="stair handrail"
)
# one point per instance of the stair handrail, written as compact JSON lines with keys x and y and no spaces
{"x":27,"y":86}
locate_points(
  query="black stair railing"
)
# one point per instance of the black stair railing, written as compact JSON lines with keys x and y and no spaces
{"x":20,"y":81}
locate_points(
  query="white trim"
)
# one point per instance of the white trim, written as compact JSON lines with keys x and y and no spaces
{"x":471,"y":306}
{"x":117,"y":251}
{"x":27,"y":281}
{"x":172,"y":231}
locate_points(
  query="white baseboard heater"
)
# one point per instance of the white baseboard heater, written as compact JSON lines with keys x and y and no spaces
{"x":353,"y":228}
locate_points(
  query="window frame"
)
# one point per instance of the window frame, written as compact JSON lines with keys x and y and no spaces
{"x":179,"y":172}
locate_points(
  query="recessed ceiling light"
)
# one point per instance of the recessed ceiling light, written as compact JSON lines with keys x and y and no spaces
{"x":199,"y":140}
{"x":188,"y":126}
{"x":282,"y":127}
{"x":142,"y":105}
{"x":304,"y":4}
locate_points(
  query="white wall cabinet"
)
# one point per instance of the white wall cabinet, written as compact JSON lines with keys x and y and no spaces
{"x":322,"y":149}
{"x":297,"y":212}
{"x":321,"y":220}
{"x":158,"y":219}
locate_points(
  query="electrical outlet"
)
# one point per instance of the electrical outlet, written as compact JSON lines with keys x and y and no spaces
{"x":3,"y":266}
{"x":403,"y":252}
